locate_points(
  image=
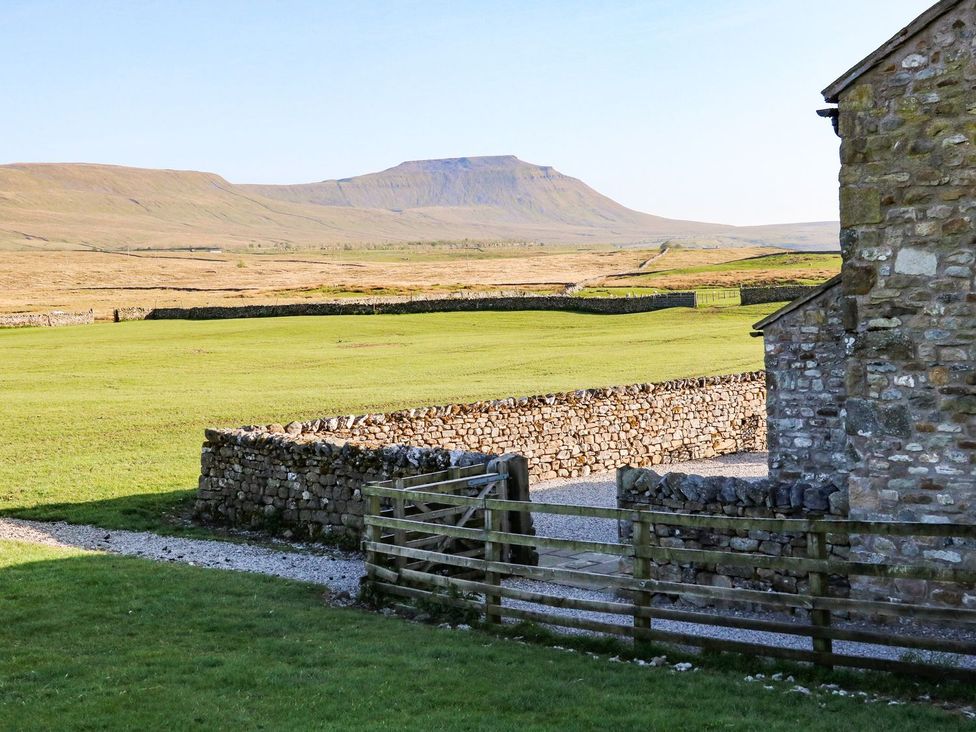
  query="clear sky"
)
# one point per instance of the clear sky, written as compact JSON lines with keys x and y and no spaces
{"x":698,"y":109}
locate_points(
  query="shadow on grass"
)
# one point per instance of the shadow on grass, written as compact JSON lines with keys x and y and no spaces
{"x":160,"y":512}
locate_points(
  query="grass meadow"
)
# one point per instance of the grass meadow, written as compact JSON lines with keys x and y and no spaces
{"x":95,"y":641}
{"x":104,"y":423}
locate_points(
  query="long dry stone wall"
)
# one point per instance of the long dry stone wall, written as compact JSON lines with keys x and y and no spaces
{"x":782,"y":293}
{"x":575,"y":433}
{"x":643,"y":489}
{"x":599,"y":305}
{"x":53,"y":319}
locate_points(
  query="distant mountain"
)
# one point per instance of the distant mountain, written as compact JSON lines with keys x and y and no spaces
{"x":498,"y":198}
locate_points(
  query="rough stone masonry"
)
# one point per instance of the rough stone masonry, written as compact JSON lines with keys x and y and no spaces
{"x":908,"y":200}
{"x":308,"y":475}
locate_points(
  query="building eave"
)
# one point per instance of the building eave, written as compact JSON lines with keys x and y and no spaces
{"x":798,"y":303}
{"x":832,"y":92}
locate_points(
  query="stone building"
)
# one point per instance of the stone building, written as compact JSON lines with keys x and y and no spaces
{"x":872,"y":379}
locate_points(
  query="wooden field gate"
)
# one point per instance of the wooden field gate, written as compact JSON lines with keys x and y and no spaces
{"x":424,"y":540}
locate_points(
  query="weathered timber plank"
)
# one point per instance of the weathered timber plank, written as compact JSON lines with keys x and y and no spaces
{"x":420,"y":527}
{"x":946,"y":645}
{"x":790,"y":526}
{"x":730,"y":594}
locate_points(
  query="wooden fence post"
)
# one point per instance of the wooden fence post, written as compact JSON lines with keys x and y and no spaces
{"x":399,"y":511}
{"x":374,"y":534}
{"x":817,"y":549}
{"x":493,"y":553}
{"x":642,"y":570}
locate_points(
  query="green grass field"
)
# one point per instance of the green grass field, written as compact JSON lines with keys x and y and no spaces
{"x":104,"y":423}
{"x":93,"y":641}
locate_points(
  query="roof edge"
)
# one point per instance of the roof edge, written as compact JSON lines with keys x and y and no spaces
{"x":832,"y":92}
{"x":798,"y":303}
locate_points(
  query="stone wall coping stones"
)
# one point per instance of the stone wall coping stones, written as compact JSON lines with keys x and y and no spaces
{"x":332,"y":423}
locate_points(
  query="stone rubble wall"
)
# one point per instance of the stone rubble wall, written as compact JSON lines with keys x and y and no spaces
{"x":806,"y":392}
{"x":392,"y":306}
{"x":575,"y":433}
{"x":908,"y":204}
{"x":54,"y":319}
{"x":782,"y":293}
{"x":646,"y":490}
{"x":123,"y":315}
{"x":303,"y":484}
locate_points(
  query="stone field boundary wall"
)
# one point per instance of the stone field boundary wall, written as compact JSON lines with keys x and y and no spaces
{"x":646,"y":490}
{"x":309,"y":475}
{"x":310,"y":487}
{"x":783,"y":293}
{"x":55,"y":319}
{"x":575,"y":433}
{"x":597,"y":305}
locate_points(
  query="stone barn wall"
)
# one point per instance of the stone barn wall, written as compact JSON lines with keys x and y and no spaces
{"x":908,"y":204}
{"x":806,"y":364}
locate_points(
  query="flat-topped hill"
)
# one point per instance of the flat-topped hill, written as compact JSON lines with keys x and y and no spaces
{"x":498,"y":198}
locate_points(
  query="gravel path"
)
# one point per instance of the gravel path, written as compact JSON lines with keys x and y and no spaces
{"x":339,"y":571}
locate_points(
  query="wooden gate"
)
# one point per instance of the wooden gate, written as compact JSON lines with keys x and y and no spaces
{"x":408,"y":546}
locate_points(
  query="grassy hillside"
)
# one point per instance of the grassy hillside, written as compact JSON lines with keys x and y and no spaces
{"x":104,"y":423}
{"x":76,"y":206}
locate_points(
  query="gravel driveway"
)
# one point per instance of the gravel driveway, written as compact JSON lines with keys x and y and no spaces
{"x":339,"y":571}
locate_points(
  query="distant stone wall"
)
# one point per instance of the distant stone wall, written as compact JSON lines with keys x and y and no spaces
{"x":575,"y":433}
{"x":781,"y":293}
{"x":598,"y":305}
{"x":805,"y":369}
{"x":642,"y":489}
{"x":125,"y":314}
{"x":53,"y":319}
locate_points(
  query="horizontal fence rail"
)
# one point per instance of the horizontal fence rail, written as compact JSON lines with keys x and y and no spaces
{"x":408,"y":557}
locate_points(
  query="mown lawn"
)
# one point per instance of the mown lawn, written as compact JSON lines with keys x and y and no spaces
{"x":92,"y":641}
{"x":103,"y":424}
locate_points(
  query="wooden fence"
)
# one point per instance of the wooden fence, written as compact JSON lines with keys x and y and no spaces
{"x":718,"y":296}
{"x":415,"y":551}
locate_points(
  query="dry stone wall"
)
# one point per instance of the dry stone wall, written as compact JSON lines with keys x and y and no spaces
{"x":647,"y":490}
{"x":575,"y":433}
{"x":55,"y":319}
{"x":599,"y":305}
{"x":307,"y":476}
{"x":783,"y":293}
{"x":300,"y":483}
{"x":908,"y":207}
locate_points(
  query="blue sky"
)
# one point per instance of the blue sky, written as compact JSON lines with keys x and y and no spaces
{"x":699,"y":109}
